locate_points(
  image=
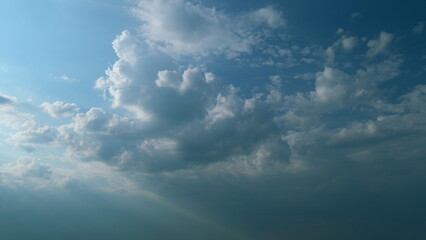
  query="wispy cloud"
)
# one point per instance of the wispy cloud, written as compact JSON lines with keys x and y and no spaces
{"x":64,"y":78}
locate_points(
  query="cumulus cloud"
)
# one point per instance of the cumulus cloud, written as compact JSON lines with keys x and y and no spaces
{"x":150,"y":92}
{"x":379,"y":45}
{"x":184,"y":28}
{"x":336,"y":89}
{"x":191,"y":78}
{"x":31,"y":137}
{"x":25,"y":171}
{"x":269,"y":16}
{"x":60,"y":109}
{"x":229,"y":130}
{"x":348,"y":43}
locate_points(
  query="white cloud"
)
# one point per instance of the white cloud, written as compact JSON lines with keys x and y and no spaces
{"x":413,"y":101}
{"x":14,"y":119}
{"x":29,"y":172}
{"x":31,"y":138}
{"x":210,"y":77}
{"x":336,"y":89}
{"x":348,"y":43}
{"x":184,"y":28}
{"x":168,"y":78}
{"x":380,"y":44}
{"x":269,"y":16}
{"x":225,"y":107}
{"x":191,"y":78}
{"x":60,"y":109}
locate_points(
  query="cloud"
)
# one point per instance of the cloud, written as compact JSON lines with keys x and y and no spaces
{"x":336,"y":89}
{"x":355,"y":15}
{"x":380,"y":44}
{"x":150,"y":91}
{"x":269,"y":16}
{"x":11,"y":115}
{"x":230,"y":129}
{"x":184,"y":28}
{"x":287,"y":126}
{"x":192,"y":78}
{"x":25,"y":169}
{"x":65,"y":78}
{"x":31,"y":137}
{"x":345,"y":43}
{"x":349,"y":43}
{"x":418,"y":29}
{"x":5,"y":100}
{"x":60,"y":109}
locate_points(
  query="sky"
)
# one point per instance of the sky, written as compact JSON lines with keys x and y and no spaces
{"x":181,"y":119}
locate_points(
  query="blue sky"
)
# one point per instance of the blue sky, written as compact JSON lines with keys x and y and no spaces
{"x":176,"y":119}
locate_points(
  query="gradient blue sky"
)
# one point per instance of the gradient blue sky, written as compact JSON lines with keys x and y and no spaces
{"x":175,"y":119}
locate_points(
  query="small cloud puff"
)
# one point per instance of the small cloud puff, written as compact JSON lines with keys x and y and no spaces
{"x":348,"y":43}
{"x":60,"y":109}
{"x":191,"y":78}
{"x":379,"y":45}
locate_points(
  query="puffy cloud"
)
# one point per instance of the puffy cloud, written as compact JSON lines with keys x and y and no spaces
{"x":33,"y":168}
{"x":168,"y":78}
{"x":229,"y":130}
{"x":60,"y":109}
{"x":184,"y":28}
{"x":25,"y":171}
{"x":379,"y":45}
{"x":336,"y":89}
{"x":31,"y":137}
{"x":269,"y":16}
{"x":225,"y":107}
{"x":191,"y":78}
{"x":348,"y":43}
{"x":150,"y":93}
{"x":410,"y":102}
{"x":210,"y":77}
